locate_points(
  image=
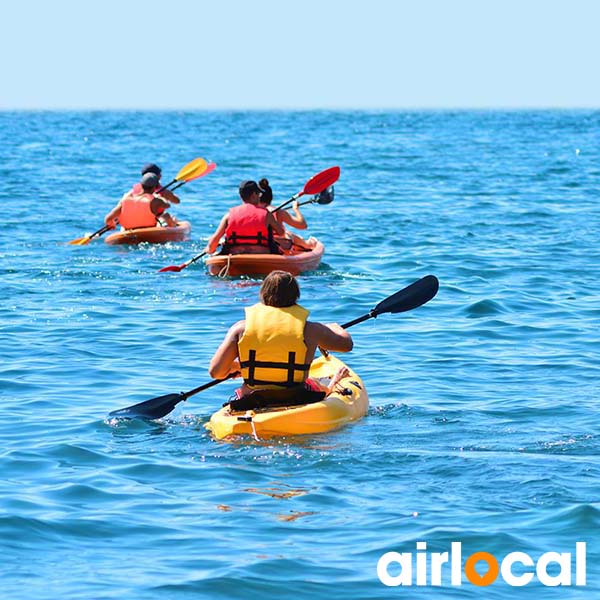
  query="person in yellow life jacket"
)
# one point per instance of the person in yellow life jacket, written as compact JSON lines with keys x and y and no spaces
{"x":248,"y":228}
{"x":274,"y":345}
{"x":136,"y":210}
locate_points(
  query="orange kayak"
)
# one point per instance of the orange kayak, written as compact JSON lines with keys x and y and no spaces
{"x":151,"y":235}
{"x":296,"y":260}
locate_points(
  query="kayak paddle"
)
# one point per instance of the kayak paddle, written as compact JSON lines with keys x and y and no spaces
{"x":325,"y":197}
{"x":193,"y":170}
{"x":317,"y":184}
{"x":412,"y":296}
{"x":82,"y":241}
{"x":187,"y":263}
{"x":210,"y":167}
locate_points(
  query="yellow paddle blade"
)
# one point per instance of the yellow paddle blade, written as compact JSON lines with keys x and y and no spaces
{"x":192,"y":169}
{"x":82,"y":241}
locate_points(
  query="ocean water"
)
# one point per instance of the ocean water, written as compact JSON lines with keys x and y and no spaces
{"x":483,"y":427}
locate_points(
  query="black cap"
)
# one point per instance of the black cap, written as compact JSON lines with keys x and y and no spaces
{"x":149,"y":182}
{"x":151,"y":168}
{"x":249,"y":187}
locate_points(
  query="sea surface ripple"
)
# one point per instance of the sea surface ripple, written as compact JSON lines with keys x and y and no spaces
{"x":483,"y":426}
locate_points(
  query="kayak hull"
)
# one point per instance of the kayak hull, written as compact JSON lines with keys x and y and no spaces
{"x":150,"y":235}
{"x":295,"y":261}
{"x":347,"y":403}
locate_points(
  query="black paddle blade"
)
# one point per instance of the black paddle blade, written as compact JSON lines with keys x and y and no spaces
{"x":325,"y":197}
{"x":150,"y":409}
{"x":410,"y":297}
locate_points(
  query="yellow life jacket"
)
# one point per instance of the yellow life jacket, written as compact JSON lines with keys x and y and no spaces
{"x":272,"y":350}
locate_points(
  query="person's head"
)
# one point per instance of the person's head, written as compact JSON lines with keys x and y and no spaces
{"x":250,"y":192}
{"x":267,"y":193}
{"x":149,"y":182}
{"x":151,"y":168}
{"x":279,"y":289}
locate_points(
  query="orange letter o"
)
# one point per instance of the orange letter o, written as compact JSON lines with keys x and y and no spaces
{"x":473,"y":576}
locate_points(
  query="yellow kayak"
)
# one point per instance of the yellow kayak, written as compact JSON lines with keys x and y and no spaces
{"x":348,"y":402}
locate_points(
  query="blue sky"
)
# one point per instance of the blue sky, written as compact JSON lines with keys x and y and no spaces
{"x":225,"y":54}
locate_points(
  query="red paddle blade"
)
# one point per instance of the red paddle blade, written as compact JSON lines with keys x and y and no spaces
{"x":210,"y":168}
{"x":172,"y":269}
{"x":317,"y":183}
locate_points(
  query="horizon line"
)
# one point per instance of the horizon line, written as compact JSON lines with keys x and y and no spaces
{"x":529,"y":108}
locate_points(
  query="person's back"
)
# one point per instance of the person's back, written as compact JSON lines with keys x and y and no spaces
{"x":136,"y":210}
{"x":248,"y":228}
{"x":140,"y":208}
{"x":275,"y":345}
{"x":247,"y":231}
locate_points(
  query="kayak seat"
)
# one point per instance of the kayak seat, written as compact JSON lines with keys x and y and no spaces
{"x":295,"y":396}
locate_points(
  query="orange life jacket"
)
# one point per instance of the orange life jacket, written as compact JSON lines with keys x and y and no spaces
{"x":136,"y":211}
{"x":247,"y":225}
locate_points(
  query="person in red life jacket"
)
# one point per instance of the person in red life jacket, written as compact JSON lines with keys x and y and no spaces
{"x":136,"y":210}
{"x":297,"y":220}
{"x":248,"y":228}
{"x":275,"y":344}
{"x":168,"y":195}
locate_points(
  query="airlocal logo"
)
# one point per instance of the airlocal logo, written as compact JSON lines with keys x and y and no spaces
{"x":422,"y":567}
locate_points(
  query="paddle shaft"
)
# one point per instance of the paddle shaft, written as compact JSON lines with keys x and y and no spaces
{"x":97,"y":233}
{"x":197,"y":257}
{"x":292,"y":199}
{"x":359,"y":320}
{"x":201,"y":388}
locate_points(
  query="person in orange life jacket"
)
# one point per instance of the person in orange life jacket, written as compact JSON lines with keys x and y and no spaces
{"x":274,"y":345}
{"x":284,"y":217}
{"x":168,"y":195}
{"x":248,"y":228}
{"x":140,"y":209}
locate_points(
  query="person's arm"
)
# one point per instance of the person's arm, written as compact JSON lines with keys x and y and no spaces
{"x":277,"y":227}
{"x":111,"y":218}
{"x":169,"y":196}
{"x":225,"y":359}
{"x":330,"y":336}
{"x":296,"y":221}
{"x":213,"y":241}
{"x":158,"y":206}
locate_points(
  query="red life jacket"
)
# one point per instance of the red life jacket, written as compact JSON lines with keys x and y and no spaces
{"x":247,"y":225}
{"x":136,"y":211}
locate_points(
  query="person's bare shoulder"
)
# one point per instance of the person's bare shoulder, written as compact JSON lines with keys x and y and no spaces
{"x":329,"y":337}
{"x":311,"y":333}
{"x":236,"y":331}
